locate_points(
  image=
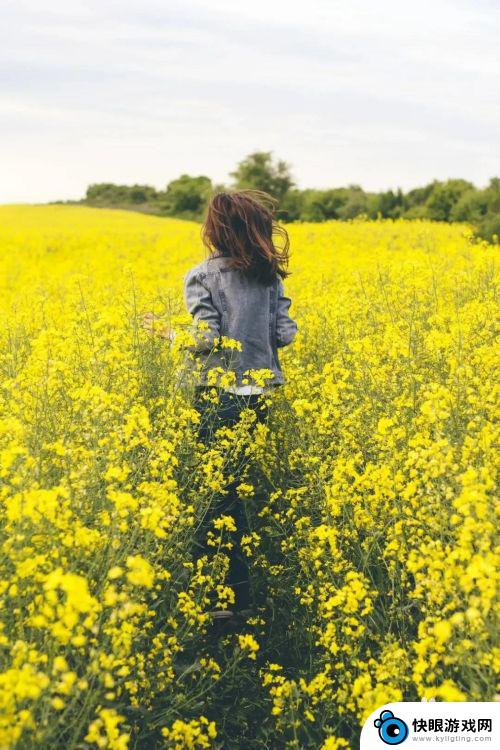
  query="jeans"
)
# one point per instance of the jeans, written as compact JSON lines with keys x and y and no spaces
{"x":225,"y":413}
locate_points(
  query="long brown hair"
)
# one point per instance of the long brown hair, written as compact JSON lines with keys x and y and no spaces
{"x":241,"y":225}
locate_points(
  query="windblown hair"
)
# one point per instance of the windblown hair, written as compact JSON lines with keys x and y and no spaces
{"x":241,"y":226}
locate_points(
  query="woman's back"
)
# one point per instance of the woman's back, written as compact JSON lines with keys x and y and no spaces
{"x":239,"y":306}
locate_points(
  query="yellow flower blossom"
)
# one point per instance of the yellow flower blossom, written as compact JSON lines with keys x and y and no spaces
{"x":369,"y":493}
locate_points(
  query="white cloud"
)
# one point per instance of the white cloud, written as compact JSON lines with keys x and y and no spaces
{"x":383,"y":94}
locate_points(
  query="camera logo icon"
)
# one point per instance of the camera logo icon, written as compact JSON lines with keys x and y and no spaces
{"x":391,"y":730}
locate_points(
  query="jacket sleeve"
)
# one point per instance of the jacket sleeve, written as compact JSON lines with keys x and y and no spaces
{"x":198,"y":299}
{"x":286,"y":328}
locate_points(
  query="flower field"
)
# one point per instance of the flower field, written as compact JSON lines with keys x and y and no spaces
{"x":370,"y":493}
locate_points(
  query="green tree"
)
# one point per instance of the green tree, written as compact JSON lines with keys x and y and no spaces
{"x":106,"y":193}
{"x":258,"y":171}
{"x":355,"y":203}
{"x":388,"y":204}
{"x":443,"y":198}
{"x":187,"y":196}
{"x":416,"y":199}
{"x":471,"y":206}
{"x":318,"y":206}
{"x":109,"y":194}
{"x":493,"y":196}
{"x":291,"y":206}
{"x":142,"y":194}
{"x":489,"y":226}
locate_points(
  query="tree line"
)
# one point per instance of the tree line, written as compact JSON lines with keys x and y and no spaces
{"x":186,"y":197}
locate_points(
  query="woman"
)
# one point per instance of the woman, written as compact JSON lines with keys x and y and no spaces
{"x":237,"y":294}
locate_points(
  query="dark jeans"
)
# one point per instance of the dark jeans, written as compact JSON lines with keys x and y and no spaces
{"x":225,"y":413}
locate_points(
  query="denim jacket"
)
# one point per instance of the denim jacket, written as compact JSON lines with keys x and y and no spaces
{"x":238,"y":307}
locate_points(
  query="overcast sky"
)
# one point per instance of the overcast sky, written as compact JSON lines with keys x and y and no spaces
{"x":382,"y":93}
